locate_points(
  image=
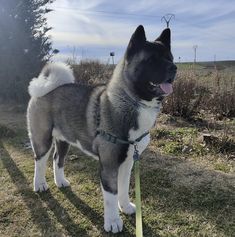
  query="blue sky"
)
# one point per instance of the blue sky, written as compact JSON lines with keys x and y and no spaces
{"x":92,"y":29}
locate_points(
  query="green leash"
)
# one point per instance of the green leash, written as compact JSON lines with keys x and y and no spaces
{"x":139,"y":227}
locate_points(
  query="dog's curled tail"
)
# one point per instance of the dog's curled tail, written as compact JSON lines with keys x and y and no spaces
{"x":52,"y":76}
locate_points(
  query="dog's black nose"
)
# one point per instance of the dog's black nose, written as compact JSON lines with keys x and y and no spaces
{"x":173,"y":68}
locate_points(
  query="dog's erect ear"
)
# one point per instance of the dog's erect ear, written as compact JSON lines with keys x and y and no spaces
{"x":138,"y":37}
{"x":165,"y":38}
{"x":136,"y":42}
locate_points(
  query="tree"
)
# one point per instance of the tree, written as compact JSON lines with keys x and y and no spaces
{"x":25,"y":46}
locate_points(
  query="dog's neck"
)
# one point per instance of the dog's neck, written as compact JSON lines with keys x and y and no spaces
{"x":117,"y":89}
{"x":114,"y":83}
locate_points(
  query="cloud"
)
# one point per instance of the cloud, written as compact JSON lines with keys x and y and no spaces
{"x":76,"y":38}
{"x":108,"y":24}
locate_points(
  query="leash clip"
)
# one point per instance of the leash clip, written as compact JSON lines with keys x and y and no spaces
{"x":136,"y":155}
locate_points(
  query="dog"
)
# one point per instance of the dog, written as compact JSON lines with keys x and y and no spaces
{"x":107,"y":122}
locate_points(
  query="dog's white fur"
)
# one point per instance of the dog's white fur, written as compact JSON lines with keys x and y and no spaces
{"x":59,"y":74}
{"x":112,"y":219}
{"x":59,"y":178}
{"x":40,"y":183}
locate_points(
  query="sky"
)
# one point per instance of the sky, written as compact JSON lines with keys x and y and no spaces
{"x":91,"y":29}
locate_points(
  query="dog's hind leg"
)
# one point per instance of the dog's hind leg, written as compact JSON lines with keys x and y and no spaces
{"x":40,"y":183}
{"x":42,"y":148}
{"x":40,"y":134}
{"x":61,"y":149}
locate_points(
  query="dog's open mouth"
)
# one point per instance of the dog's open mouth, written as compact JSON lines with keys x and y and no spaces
{"x":166,"y":88}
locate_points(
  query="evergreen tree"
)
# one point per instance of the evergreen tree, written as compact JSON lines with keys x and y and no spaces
{"x":24,"y":45}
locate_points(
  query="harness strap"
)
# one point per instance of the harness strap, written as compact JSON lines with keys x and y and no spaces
{"x":115,"y":140}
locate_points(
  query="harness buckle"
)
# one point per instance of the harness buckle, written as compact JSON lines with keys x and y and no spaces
{"x":111,"y":138}
{"x":136,"y":155}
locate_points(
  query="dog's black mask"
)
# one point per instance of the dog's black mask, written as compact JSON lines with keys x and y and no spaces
{"x":149,"y":66}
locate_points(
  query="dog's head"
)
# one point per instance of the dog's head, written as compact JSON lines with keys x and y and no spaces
{"x":149,"y":68}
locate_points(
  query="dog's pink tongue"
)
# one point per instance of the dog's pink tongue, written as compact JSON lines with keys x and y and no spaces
{"x":167,"y":88}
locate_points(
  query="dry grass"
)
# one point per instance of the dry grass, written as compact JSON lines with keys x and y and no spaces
{"x":198,"y":88}
{"x":181,"y":196}
{"x":92,"y":72}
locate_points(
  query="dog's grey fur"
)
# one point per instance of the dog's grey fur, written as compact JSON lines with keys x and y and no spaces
{"x":65,"y":113}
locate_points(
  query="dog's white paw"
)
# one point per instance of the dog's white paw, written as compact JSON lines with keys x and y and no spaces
{"x":62,"y":183}
{"x":128,"y":209}
{"x":40,"y":186}
{"x":113,"y":225}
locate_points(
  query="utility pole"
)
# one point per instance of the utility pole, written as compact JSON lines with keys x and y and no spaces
{"x":195,"y":52}
{"x":214,"y":58}
{"x":112,"y":54}
{"x":215,"y":62}
{"x":167,"y":18}
{"x":82,"y":53}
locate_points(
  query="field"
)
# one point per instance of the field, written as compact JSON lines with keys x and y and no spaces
{"x":187,"y":175}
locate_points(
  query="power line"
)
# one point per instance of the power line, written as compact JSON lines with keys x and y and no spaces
{"x":107,"y":12}
{"x":195,"y":52}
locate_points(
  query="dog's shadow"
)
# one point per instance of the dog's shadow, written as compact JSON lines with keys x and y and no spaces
{"x":97,"y":219}
{"x":85,"y":209}
{"x":62,"y":215}
{"x":39,"y":213}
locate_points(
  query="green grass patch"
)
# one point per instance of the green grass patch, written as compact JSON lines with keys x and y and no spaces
{"x":170,"y":207}
{"x":178,"y":141}
{"x":188,"y":141}
{"x":222,"y":167}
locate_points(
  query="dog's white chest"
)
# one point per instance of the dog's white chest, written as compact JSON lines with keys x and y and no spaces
{"x":146,"y":120}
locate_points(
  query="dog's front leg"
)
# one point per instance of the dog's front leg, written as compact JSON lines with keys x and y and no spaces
{"x":112,"y":220}
{"x":124,"y":174}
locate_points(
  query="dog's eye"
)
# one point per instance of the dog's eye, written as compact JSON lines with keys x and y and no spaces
{"x":152,"y":84}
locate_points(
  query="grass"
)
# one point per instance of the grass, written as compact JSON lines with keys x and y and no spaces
{"x":180,"y":197}
{"x":187,"y":140}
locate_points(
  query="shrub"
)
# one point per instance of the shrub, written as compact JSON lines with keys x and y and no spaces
{"x":187,"y":97}
{"x":92,"y":72}
{"x":195,"y":91}
{"x":222,"y":99}
{"x":222,"y":103}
